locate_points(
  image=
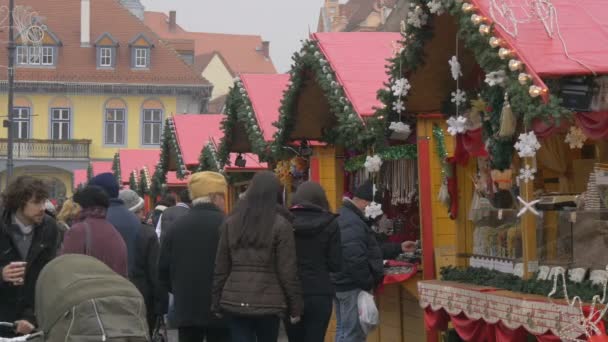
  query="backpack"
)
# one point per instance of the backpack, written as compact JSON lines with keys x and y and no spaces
{"x":80,"y":299}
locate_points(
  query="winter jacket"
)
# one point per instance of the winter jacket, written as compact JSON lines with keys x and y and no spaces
{"x":362,"y":264}
{"x":169,"y":216}
{"x":17,"y":302}
{"x":106,"y":244}
{"x":258,"y":282}
{"x":127,"y":224}
{"x":318,"y":248}
{"x":145,"y":273}
{"x":187,"y":260}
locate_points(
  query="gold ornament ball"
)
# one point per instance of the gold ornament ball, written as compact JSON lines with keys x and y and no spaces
{"x":504,"y":53}
{"x":523,"y":78}
{"x":477,"y":19}
{"x":484,"y":29}
{"x":467,"y":7}
{"x":535,"y":91}
{"x":495,"y":42}
{"x":515,"y":65}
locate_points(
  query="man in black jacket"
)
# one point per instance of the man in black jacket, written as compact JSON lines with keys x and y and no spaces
{"x":362,"y":264}
{"x":28,"y":241}
{"x":187,"y":260}
{"x":171,"y":214}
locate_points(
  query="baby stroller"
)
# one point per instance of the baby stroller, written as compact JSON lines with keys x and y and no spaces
{"x":80,"y":299}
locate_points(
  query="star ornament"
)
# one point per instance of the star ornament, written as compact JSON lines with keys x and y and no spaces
{"x":398,"y":106}
{"x":527,"y":206}
{"x":527,"y":174}
{"x":457,"y":125}
{"x":575,"y":138}
{"x":401,"y":87}
{"x":527,"y":145}
{"x":416,"y":17}
{"x":455,"y":68}
{"x":459,"y":97}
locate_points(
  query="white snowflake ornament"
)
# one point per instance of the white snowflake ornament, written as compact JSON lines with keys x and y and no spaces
{"x":575,"y":138}
{"x":398,"y":106}
{"x":373,"y":210}
{"x":459,"y":97}
{"x":527,"y":145}
{"x":435,"y":7}
{"x":527,"y":174}
{"x":373,"y":163}
{"x":401,"y":87}
{"x":457,"y":125}
{"x":417,"y":17}
{"x":496,"y":78}
{"x":400,"y":127}
{"x":455,"y":68}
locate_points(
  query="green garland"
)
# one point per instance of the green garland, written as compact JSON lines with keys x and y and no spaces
{"x":484,"y":277}
{"x":144,"y":187}
{"x":446,"y":170}
{"x":159,"y":179}
{"x":208,"y":160}
{"x":90,"y":173}
{"x":390,"y":153}
{"x":349,"y":131}
{"x":240,"y":109}
{"x":133,"y":182}
{"x":116,"y":169}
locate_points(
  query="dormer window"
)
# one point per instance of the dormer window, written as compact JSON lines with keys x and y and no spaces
{"x":106,"y":47}
{"x":38,"y":55}
{"x":141,"y":51}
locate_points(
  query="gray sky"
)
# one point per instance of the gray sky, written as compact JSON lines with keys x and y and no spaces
{"x":283,"y":22}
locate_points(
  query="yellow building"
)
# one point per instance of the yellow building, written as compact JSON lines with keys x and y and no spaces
{"x":90,"y":87}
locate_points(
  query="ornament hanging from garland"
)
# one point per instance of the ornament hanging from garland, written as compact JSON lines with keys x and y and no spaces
{"x":527,"y":145}
{"x":496,"y":78}
{"x":459,"y":97}
{"x":416,"y":16}
{"x":575,"y":138}
{"x":527,"y":173}
{"x":455,"y":68}
{"x":401,"y":131}
{"x":436,"y":7}
{"x":457,"y":125}
{"x":508,"y":122}
{"x":373,"y":209}
{"x":373,"y":163}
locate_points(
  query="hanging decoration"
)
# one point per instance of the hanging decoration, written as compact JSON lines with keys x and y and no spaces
{"x":527,"y":206}
{"x":391,"y":153}
{"x":496,"y":78}
{"x":401,"y":128}
{"x":459,"y":97}
{"x":373,"y":209}
{"x":457,"y":125}
{"x":527,"y":173}
{"x":283,"y":172}
{"x":436,"y":7}
{"x":400,"y":179}
{"x":508,"y":122}
{"x":446,"y":170}
{"x":575,"y":138}
{"x":401,"y":87}
{"x":527,"y":145}
{"x":398,"y":106}
{"x":373,"y":163}
{"x":417,"y":16}
{"x":455,"y":68}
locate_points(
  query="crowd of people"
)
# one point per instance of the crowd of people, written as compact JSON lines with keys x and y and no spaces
{"x":213,"y":276}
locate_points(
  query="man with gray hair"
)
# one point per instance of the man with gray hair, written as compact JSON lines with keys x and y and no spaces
{"x":187,"y":260}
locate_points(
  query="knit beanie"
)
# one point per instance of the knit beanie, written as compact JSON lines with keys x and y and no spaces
{"x":310,"y":193}
{"x":132,"y":200}
{"x":365,"y":191}
{"x":203,"y":184}
{"x":107,"y":182}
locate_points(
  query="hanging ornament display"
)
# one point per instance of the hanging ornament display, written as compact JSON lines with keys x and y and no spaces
{"x":457,"y":125}
{"x":527,"y":145}
{"x":459,"y":97}
{"x":374,"y":209}
{"x":527,"y":173}
{"x":416,"y":16}
{"x":398,"y":106}
{"x":575,"y":138}
{"x":400,"y":178}
{"x":401,"y":131}
{"x":455,"y":68}
{"x":373,"y":163}
{"x":496,"y":78}
{"x":508,"y":122}
{"x":401,"y":87}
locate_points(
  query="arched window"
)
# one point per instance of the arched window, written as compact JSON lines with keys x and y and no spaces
{"x":152,"y":122}
{"x":115,"y":122}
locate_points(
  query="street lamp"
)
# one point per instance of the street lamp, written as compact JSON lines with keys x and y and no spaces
{"x":11,"y":84}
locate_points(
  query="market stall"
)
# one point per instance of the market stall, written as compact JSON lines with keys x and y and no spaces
{"x":509,"y":108}
{"x":81,"y":177}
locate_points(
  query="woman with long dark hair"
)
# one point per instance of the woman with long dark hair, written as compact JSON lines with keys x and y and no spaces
{"x":319,"y":252}
{"x":255,"y":280}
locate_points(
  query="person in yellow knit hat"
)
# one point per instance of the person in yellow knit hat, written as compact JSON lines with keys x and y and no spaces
{"x":187,"y":259}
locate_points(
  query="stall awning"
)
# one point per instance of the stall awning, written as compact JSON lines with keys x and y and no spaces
{"x":359,"y":60}
{"x":265,"y":93}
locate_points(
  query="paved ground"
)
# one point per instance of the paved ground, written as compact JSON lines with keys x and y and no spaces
{"x":282,"y":336}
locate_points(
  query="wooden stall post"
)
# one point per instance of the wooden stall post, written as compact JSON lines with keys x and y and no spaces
{"x":528,"y":229}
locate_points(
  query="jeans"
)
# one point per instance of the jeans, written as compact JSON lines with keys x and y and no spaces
{"x":254,"y":329}
{"x":312,"y":327}
{"x":200,"y":334}
{"x":348,"y":328}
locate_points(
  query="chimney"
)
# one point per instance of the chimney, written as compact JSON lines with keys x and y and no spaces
{"x":172,"y":20}
{"x":266,"y":49}
{"x":85,"y":23}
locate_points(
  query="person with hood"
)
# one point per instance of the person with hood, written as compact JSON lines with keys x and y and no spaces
{"x":171,"y":214}
{"x":125,"y":222}
{"x":28,"y":242}
{"x":319,"y":252}
{"x":93,"y":234}
{"x":188,"y":257}
{"x":166,"y":202}
{"x":362,"y":263}
{"x":147,"y":249}
{"x":256,"y":279}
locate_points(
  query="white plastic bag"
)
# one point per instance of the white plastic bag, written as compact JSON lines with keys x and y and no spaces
{"x":368,"y":313}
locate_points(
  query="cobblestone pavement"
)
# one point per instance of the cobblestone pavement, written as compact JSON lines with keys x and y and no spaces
{"x":282,"y":335}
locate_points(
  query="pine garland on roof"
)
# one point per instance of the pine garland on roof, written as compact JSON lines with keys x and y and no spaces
{"x":90,"y":173}
{"x":208,"y":160}
{"x":116,"y":169}
{"x":133,"y":182}
{"x":144,"y":181}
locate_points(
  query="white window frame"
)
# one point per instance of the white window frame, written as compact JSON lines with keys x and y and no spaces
{"x":21,"y":55}
{"x":102,"y":56}
{"x":148,"y":125}
{"x":34,"y":55}
{"x":141,"y":57}
{"x":48,"y":52}
{"x":21,"y":116}
{"x":61,"y":121}
{"x":114,"y":124}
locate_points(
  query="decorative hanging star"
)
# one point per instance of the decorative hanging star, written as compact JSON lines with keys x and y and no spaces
{"x":527,"y":174}
{"x":456,"y":125}
{"x":459,"y":97}
{"x":527,"y":206}
{"x":575,"y":138}
{"x":398,"y":106}
{"x":527,"y":145}
{"x":455,"y":68}
{"x":401,"y":87}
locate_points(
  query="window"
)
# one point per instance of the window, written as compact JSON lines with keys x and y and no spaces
{"x":105,"y":57}
{"x":141,"y":57}
{"x":47,"y":55}
{"x":60,"y":123}
{"x":21,"y":122}
{"x":35,"y":55}
{"x":152,"y":126}
{"x":115,"y":127}
{"x":22,"y":55}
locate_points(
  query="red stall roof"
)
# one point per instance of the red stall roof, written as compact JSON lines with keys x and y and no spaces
{"x":265,"y":93}
{"x":583,"y":25}
{"x":172,"y":179}
{"x":359,"y":60}
{"x":80,"y":177}
{"x":253,"y":163}
{"x":135,"y":160}
{"x":193,"y":133}
{"x":101,"y":167}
